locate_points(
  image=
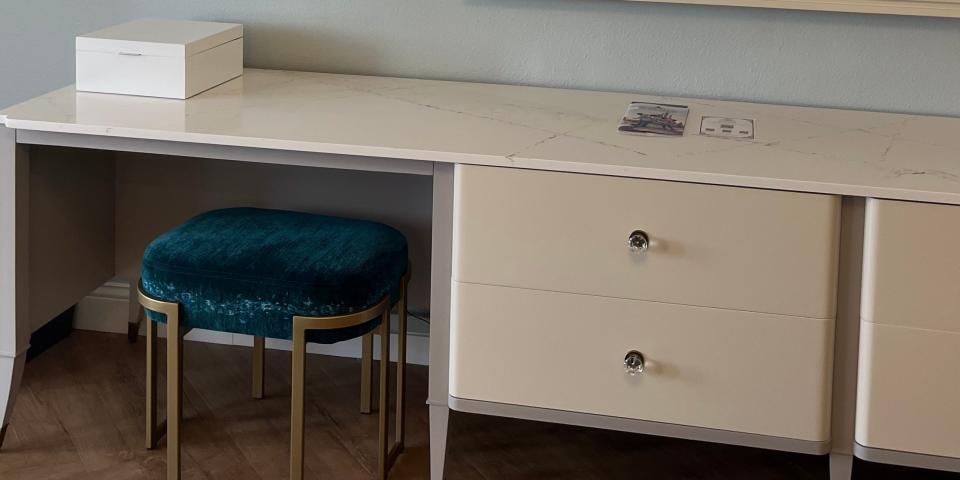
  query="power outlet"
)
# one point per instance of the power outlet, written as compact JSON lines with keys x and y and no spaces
{"x":726,"y":127}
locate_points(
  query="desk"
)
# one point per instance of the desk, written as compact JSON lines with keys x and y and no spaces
{"x":423,"y":127}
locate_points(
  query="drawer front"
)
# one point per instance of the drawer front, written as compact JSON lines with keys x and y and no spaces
{"x":908,"y":390}
{"x":739,"y":371}
{"x":912,"y":265}
{"x":747,"y":249}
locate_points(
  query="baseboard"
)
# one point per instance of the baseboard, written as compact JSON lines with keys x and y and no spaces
{"x":106,"y":310}
{"x":51,"y":333}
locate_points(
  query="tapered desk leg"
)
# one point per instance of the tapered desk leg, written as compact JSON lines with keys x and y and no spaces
{"x":439,"y":419}
{"x":441,"y":270}
{"x":841,"y":466}
{"x":11,"y":372}
{"x":14,"y":239}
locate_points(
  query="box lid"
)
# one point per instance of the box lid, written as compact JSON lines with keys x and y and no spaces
{"x":161,"y":38}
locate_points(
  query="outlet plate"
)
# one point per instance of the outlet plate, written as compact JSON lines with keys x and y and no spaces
{"x":726,"y":127}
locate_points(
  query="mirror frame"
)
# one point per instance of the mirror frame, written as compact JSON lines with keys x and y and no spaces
{"x":924,"y":8}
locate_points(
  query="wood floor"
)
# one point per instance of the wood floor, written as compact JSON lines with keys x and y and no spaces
{"x":80,"y":416}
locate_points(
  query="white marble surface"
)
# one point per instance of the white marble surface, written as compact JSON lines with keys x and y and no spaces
{"x":803,"y":149}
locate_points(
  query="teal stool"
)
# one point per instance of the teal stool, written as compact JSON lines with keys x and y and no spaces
{"x":276,"y":274}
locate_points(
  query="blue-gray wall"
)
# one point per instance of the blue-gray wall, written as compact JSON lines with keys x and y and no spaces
{"x":904,"y":64}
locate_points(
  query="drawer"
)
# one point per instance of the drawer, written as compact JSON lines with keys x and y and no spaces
{"x":911,"y":273}
{"x":908,"y":390}
{"x":723,"y":369}
{"x":738,"y":248}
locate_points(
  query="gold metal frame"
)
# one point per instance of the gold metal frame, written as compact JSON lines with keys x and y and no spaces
{"x":386,"y":453}
{"x":258,"y":359}
{"x":154,"y":431}
{"x":175,"y":380}
{"x":366,"y":373}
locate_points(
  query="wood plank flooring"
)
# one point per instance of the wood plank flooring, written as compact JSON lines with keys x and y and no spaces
{"x":80,"y":416}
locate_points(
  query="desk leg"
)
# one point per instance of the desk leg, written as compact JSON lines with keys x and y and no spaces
{"x":441,"y":272}
{"x":14,"y":233}
{"x":841,"y":466}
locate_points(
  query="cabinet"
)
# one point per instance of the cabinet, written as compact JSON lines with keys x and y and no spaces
{"x":724,"y":296}
{"x":908,"y":387}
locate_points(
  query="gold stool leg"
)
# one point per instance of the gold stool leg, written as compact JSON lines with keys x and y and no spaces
{"x":258,"y":347}
{"x":152,"y":434}
{"x":401,"y":365}
{"x":174,"y":381}
{"x":383,"y":453}
{"x":300,"y":326}
{"x":297,"y":393}
{"x":174,"y":394}
{"x":366,"y":373}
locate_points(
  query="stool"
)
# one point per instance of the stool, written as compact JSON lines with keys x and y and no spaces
{"x":277,"y":274}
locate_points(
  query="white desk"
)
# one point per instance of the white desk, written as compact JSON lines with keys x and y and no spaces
{"x":423,"y":127}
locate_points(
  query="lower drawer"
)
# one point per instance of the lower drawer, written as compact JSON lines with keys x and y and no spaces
{"x":908,"y":390}
{"x":732,"y":370}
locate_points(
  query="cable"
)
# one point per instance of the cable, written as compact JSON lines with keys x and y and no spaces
{"x":423,"y":317}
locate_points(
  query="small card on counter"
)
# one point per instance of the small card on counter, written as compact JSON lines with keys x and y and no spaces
{"x":654,"y":119}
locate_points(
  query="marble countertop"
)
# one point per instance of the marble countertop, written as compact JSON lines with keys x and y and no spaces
{"x":802,"y":149}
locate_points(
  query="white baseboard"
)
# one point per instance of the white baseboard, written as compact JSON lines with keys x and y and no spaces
{"x":106,"y":310}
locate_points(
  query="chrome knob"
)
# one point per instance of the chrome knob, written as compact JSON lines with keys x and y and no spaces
{"x":638,"y":241}
{"x":634,"y":363}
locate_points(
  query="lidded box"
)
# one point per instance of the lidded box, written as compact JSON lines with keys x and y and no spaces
{"x":159,"y":58}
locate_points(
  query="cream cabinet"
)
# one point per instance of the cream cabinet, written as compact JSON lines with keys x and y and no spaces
{"x":908,"y":387}
{"x":675,"y":303}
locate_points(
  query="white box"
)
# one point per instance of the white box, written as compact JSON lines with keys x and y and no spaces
{"x":159,"y":58}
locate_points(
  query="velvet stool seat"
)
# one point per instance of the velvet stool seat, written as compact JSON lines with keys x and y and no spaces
{"x":276,"y":274}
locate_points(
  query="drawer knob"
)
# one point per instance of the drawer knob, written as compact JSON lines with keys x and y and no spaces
{"x":634,"y":363}
{"x":638,"y":241}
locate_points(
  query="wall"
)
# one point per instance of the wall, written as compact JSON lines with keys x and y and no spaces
{"x":904,"y":64}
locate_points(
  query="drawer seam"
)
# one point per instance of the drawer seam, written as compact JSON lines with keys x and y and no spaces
{"x":907,"y":327}
{"x":644,"y":300}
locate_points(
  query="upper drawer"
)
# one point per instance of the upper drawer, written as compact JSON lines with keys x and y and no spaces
{"x":911,"y":266}
{"x":758,"y":250}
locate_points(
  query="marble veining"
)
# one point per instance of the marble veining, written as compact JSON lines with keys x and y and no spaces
{"x":796,"y":148}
